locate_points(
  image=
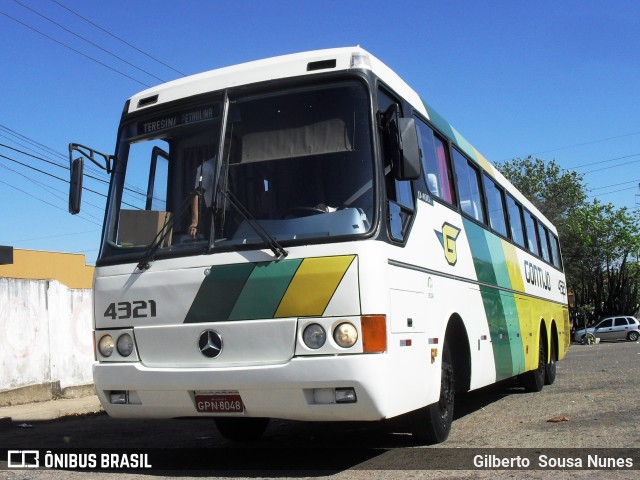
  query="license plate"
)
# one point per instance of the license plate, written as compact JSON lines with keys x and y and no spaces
{"x":219,"y":403}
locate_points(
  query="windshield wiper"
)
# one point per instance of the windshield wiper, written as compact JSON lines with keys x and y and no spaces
{"x":160,"y":237}
{"x":277,"y":249}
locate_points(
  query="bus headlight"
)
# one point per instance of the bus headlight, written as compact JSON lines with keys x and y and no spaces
{"x":106,"y":346}
{"x":345,"y":335}
{"x":125,"y":345}
{"x":314,"y":336}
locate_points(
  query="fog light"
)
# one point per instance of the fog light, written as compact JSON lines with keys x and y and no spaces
{"x":314,"y":336}
{"x":125,"y":345}
{"x":118,"y":397}
{"x":346,"y":395}
{"x":345,"y":335}
{"x":106,"y":346}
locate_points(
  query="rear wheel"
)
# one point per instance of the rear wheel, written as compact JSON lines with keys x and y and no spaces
{"x":432,"y":423}
{"x":241,"y":429}
{"x":633,"y":336}
{"x":533,"y":380}
{"x":550,"y":368}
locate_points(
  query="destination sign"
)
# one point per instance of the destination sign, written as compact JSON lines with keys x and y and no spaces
{"x":178,"y":119}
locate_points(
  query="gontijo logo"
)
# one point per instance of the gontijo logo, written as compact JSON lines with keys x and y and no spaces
{"x":447,"y":239}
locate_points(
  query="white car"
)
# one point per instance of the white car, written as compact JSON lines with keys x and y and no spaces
{"x":612,"y":328}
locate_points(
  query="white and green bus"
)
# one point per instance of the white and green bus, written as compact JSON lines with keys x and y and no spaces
{"x":303,"y":238}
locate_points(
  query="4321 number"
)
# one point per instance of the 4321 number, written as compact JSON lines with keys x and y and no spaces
{"x":136,"y":309}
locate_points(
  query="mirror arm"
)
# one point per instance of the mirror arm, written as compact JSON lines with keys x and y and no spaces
{"x":91,"y":154}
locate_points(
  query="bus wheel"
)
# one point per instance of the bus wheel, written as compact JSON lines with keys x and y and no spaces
{"x":241,"y":429}
{"x":550,"y":368}
{"x":533,"y":380}
{"x":433,"y":422}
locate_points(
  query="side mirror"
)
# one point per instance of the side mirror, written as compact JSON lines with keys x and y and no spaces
{"x":75,"y":185}
{"x":408,"y":166}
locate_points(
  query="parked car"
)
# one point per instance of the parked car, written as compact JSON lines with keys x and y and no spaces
{"x":612,"y":328}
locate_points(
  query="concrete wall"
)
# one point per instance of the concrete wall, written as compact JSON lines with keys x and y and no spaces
{"x":45,"y":334}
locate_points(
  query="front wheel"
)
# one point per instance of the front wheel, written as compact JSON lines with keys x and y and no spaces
{"x":533,"y":380}
{"x":433,"y":422}
{"x":241,"y":429}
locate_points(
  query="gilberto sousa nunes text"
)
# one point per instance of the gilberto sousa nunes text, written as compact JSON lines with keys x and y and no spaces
{"x":544,"y":461}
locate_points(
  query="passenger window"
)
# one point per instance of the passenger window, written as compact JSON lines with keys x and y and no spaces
{"x":435,"y":164}
{"x":515,"y":221}
{"x":544,"y":242}
{"x":605,"y":324}
{"x":532,"y":233}
{"x":555,"y":251}
{"x":495,"y":205}
{"x":468,"y":187}
{"x":621,"y":322}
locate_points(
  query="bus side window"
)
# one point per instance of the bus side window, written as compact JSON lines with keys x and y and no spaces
{"x":544,"y":242}
{"x":532,"y":233}
{"x":468,"y":181}
{"x":495,"y":206}
{"x":435,"y":164}
{"x":399,"y":192}
{"x":515,"y":221}
{"x":555,"y":251}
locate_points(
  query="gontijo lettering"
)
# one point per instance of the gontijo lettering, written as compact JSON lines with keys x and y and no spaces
{"x":537,"y":276}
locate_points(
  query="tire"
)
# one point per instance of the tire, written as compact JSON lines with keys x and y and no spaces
{"x":633,"y":336}
{"x":550,"y":368}
{"x":432,"y":423}
{"x":533,"y":380}
{"x":241,"y":429}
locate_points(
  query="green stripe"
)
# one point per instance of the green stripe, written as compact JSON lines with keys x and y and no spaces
{"x":490,"y":265}
{"x":218,"y":293}
{"x":264,"y":290}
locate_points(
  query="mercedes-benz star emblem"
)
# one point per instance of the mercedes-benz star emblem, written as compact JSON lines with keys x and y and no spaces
{"x":210,"y":343}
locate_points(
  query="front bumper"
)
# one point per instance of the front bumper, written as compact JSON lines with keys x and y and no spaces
{"x":275,"y":391}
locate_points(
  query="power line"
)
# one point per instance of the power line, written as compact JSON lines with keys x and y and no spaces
{"x":614,"y":185}
{"x":74,"y":50}
{"x":606,"y":161}
{"x":87,"y":40}
{"x":118,"y":38}
{"x":614,"y":166}
{"x":44,"y":201}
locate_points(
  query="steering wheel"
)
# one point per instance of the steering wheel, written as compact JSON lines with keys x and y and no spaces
{"x":308,"y":210}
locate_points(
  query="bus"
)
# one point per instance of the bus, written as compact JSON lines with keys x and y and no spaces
{"x":303,"y":238}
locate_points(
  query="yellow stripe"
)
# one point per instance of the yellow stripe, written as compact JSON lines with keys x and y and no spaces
{"x":513,"y":267}
{"x":313,"y":286}
{"x":484,"y":163}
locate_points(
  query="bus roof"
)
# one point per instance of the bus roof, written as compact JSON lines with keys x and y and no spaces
{"x":310,"y":63}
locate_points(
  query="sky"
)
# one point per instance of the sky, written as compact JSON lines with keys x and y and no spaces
{"x":559,"y":80}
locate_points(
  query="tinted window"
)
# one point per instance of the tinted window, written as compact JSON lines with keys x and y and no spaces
{"x":621,"y":322}
{"x":515,"y":221}
{"x":605,"y":323}
{"x":435,"y":163}
{"x":544,"y":242}
{"x":468,"y":187}
{"x":495,"y":205}
{"x":532,"y":233}
{"x":555,"y":250}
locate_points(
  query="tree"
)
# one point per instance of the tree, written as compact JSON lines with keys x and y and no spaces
{"x":600,"y":244}
{"x":554,"y":191}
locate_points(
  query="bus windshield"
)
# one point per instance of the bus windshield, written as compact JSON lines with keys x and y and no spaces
{"x":296,"y":164}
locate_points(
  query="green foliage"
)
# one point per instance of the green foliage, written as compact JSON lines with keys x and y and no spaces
{"x":600,"y":243}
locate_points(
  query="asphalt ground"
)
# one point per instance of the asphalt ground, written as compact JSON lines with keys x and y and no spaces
{"x":591,"y":409}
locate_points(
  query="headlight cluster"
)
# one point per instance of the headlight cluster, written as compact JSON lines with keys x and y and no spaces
{"x":345,"y":335}
{"x":124,"y":345}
